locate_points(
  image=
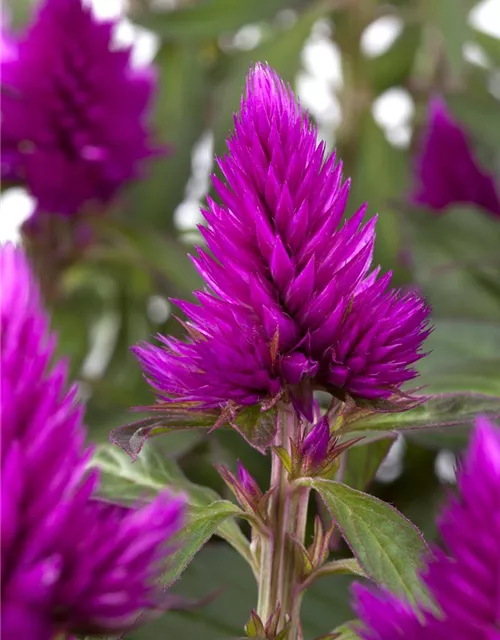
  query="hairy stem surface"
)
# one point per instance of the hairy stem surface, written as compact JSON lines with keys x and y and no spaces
{"x":280,"y":565}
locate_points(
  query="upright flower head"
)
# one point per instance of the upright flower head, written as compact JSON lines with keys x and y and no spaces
{"x":446,"y":169}
{"x":464,"y":579}
{"x":69,"y":562}
{"x":292,"y":304}
{"x":74,"y":111}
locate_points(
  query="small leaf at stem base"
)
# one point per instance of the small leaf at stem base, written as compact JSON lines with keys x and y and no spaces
{"x":347,"y":631}
{"x":254,"y":628}
{"x":258,"y":427}
{"x":284,"y":456}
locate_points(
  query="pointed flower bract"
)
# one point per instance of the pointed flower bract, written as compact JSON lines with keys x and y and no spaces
{"x":70,"y":563}
{"x":447,"y":171}
{"x":292,"y":304}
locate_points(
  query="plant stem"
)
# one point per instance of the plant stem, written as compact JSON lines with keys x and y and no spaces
{"x":280,"y":566}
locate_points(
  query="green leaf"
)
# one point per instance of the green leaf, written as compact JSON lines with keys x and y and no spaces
{"x":361,"y":462}
{"x":165,"y":419}
{"x":210,"y":18}
{"x":349,"y":566}
{"x":202,"y":523}
{"x":442,"y":410}
{"x":254,"y":628}
{"x":389,"y":547}
{"x":464,"y":356}
{"x":450,"y":17}
{"x":455,"y":341}
{"x":125,"y":482}
{"x":258,"y":427}
{"x":128,"y":482}
{"x":347,"y":631}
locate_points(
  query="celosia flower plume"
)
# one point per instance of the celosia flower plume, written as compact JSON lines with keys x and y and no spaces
{"x":70,"y":563}
{"x":464,"y":578}
{"x":292,"y":303}
{"x":447,"y":171}
{"x":74,"y":110}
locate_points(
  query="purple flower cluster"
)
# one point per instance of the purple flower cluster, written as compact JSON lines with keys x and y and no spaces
{"x":446,"y":169}
{"x":74,"y":110}
{"x":70,"y":563}
{"x":292,"y":303}
{"x":464,"y":580}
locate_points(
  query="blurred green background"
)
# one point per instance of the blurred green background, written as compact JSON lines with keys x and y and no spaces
{"x":365,"y":69}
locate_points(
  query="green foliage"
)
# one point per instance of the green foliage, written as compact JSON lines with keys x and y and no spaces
{"x":202,"y":523}
{"x":362,"y":462}
{"x":125,"y":482}
{"x":257,"y":426}
{"x":346,"y":632}
{"x":450,"y":19}
{"x":455,"y":259}
{"x":441,"y":410}
{"x":388,"y":546}
{"x":181,"y":120}
{"x":219,"y":570}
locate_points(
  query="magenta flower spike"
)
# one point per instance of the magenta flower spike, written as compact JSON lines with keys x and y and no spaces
{"x":71,"y":564}
{"x":447,"y":171}
{"x":74,"y":110}
{"x":292,"y":303}
{"x":464,"y":577}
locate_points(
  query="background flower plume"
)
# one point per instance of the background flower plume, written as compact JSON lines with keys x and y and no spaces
{"x":447,"y":171}
{"x":70,"y":563}
{"x":74,"y":110}
{"x":292,"y":301}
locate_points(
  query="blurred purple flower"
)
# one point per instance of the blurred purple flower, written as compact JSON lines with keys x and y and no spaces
{"x":293,"y":304}
{"x":70,"y":563}
{"x":74,"y":110}
{"x":465,"y":580}
{"x":446,"y":170}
